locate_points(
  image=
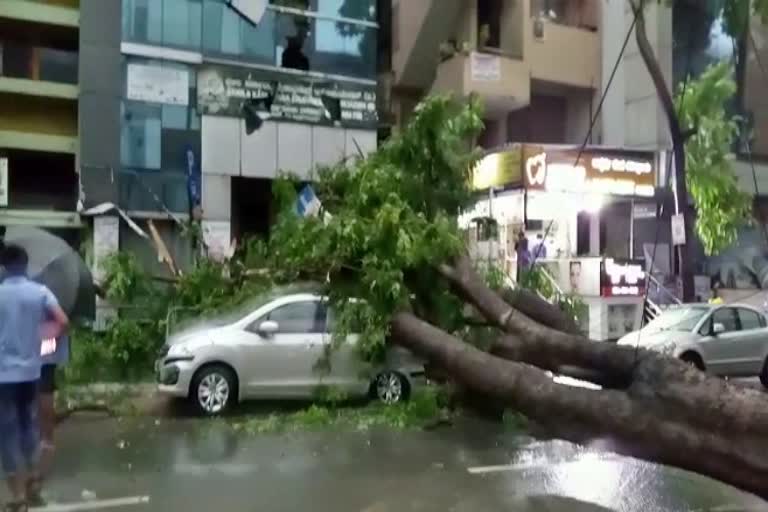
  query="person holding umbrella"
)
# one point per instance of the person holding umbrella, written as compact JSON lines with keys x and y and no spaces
{"x":29,"y":313}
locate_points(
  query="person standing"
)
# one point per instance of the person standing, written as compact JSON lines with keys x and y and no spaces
{"x":55,"y":353}
{"x":539,"y":249}
{"x":29,"y":313}
{"x":523,"y":254}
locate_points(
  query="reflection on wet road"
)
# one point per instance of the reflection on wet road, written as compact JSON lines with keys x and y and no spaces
{"x":203,"y":465}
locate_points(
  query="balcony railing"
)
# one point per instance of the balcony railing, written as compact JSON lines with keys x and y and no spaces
{"x":38,"y":63}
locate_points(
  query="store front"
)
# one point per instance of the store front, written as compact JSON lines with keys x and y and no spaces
{"x":583,"y":215}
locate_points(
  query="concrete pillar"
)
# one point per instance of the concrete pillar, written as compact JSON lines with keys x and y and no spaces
{"x":594,"y":234}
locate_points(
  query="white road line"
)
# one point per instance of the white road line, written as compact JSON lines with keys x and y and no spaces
{"x":93,"y":505}
{"x":479,"y":470}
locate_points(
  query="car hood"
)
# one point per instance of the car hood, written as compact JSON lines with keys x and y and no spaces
{"x":195,"y":335}
{"x":647,"y":339}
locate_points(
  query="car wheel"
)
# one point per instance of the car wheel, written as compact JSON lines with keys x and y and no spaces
{"x":390,"y":388}
{"x":764,"y":374}
{"x":693,"y":360}
{"x":213,"y":390}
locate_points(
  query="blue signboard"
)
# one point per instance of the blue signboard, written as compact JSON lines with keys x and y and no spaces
{"x":194,"y":178}
{"x":307,"y":204}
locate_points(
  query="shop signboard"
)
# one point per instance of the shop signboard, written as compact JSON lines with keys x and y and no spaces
{"x":498,"y":169}
{"x":223,"y":90}
{"x":622,"y":278}
{"x":598,"y":171}
{"x":158,"y":84}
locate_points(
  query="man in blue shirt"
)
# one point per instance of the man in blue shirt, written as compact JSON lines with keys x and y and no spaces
{"x":29,"y":313}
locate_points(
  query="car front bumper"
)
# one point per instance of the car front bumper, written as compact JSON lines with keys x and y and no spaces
{"x":174,"y":377}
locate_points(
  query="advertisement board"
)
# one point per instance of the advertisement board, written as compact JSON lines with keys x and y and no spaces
{"x":223,"y":90}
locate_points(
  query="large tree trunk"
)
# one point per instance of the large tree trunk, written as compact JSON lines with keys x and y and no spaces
{"x":684,"y":252}
{"x":657,"y":408}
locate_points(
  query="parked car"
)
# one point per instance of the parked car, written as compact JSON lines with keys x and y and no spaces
{"x":271,"y":352}
{"x":727,"y":340}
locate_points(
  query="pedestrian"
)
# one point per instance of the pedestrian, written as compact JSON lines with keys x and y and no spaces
{"x":716,"y":298}
{"x":523,"y":254}
{"x":540,"y":248}
{"x":55,"y":353}
{"x":29,"y":313}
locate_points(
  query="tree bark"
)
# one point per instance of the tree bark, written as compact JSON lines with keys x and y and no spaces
{"x":684,"y":252}
{"x":651,"y":426}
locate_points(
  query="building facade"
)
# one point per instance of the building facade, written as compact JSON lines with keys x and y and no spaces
{"x":39,"y":114}
{"x":165,"y":89}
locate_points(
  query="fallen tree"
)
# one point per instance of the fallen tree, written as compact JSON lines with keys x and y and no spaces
{"x":392,"y":239}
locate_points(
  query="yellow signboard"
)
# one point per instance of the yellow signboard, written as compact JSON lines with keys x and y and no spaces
{"x":498,"y":169}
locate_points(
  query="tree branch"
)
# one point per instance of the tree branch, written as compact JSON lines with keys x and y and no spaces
{"x":646,"y":428}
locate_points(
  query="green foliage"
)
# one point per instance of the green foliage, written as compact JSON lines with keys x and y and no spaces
{"x":722,"y":208}
{"x":392,"y":218}
{"x":423,"y":409}
{"x":536,"y":279}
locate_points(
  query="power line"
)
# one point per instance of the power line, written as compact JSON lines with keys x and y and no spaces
{"x":594,"y":119}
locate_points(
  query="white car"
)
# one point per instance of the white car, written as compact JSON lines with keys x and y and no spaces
{"x":727,"y":340}
{"x":272,"y":352}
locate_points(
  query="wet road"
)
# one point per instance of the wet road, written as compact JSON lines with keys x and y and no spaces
{"x":193,"y":465}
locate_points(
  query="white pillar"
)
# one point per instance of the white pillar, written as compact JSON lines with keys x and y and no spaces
{"x":594,"y":234}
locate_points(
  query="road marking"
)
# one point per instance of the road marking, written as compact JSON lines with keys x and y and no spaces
{"x":93,"y":505}
{"x":535,"y":464}
{"x":479,"y":470}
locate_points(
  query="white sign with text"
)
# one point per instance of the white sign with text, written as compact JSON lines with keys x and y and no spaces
{"x":158,"y":84}
{"x":485,"y":67}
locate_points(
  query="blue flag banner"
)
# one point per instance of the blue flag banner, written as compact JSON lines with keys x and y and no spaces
{"x":308,"y":204}
{"x":194,"y":178}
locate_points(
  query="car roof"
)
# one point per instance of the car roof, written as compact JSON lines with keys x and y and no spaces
{"x":709,"y":306}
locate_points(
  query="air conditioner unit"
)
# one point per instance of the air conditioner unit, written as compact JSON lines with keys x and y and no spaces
{"x":538,"y":28}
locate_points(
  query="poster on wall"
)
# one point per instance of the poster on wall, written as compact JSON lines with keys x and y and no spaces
{"x":157,"y":84}
{"x":217,"y":238}
{"x":485,"y":67}
{"x":223,"y":90}
{"x":3,"y":182}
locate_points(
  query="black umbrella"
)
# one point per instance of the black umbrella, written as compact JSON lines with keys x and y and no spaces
{"x":54,"y":263}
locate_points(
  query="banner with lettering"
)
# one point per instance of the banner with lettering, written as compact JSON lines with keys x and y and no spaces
{"x":223,"y":90}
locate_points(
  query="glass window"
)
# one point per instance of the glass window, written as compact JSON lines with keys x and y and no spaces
{"x":166,"y":22}
{"x":140,"y":135}
{"x":142,"y":20}
{"x":749,"y":319}
{"x":182,"y":22}
{"x":292,"y":41}
{"x":356,"y":9}
{"x":727,"y":317}
{"x":151,"y":191}
{"x":221,"y":28}
{"x":298,"y":317}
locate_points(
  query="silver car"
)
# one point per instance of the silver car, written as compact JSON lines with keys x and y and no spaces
{"x":272,"y":352}
{"x":728,"y":340}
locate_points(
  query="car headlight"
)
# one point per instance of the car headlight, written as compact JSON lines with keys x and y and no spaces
{"x":179,"y":352}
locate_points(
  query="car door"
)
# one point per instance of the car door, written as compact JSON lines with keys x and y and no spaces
{"x":347,"y":372}
{"x":748,"y":351}
{"x":281,"y":365}
{"x":718,"y":349}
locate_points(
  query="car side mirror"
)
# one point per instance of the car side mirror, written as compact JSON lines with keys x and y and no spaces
{"x":718,"y":328}
{"x":267,"y":328}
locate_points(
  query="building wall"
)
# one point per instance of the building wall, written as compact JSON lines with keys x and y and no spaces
{"x":101,"y":84}
{"x":631,"y":115}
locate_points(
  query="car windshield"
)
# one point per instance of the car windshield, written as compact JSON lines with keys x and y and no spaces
{"x":678,"y":319}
